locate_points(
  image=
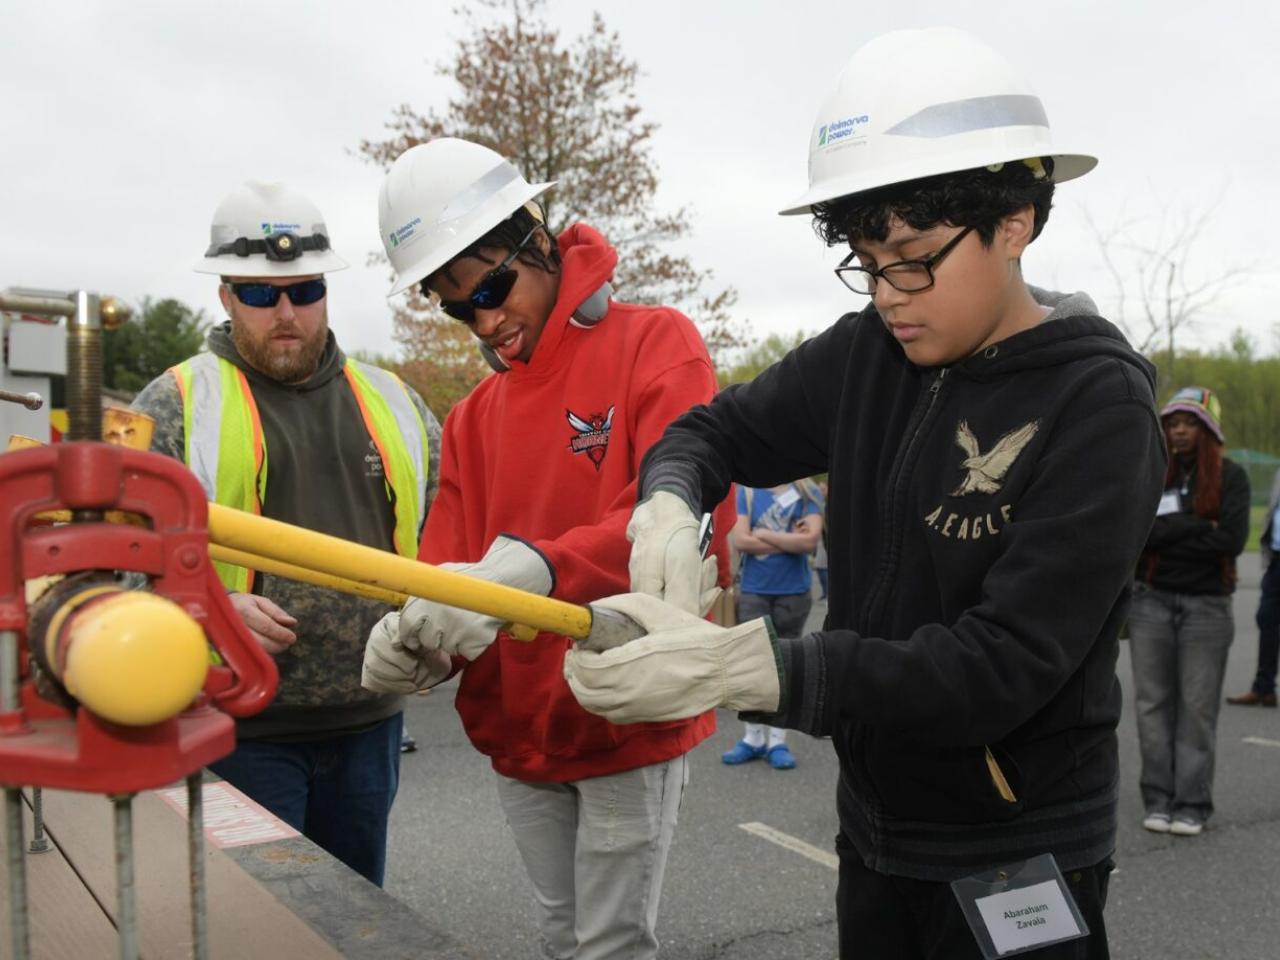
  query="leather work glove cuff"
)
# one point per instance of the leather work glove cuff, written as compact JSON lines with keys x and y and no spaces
{"x":674,"y":477}
{"x":751,"y":667}
{"x":803,"y":703}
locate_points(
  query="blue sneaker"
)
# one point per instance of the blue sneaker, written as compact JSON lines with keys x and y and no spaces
{"x":742,"y":752}
{"x":780,"y":757}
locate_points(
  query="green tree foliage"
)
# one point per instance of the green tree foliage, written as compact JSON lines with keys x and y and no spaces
{"x":758,"y":357}
{"x":163,"y":332}
{"x":564,"y":111}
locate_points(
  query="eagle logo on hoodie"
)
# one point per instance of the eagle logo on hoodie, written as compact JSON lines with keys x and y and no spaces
{"x":591,"y":434}
{"x":986,"y":470}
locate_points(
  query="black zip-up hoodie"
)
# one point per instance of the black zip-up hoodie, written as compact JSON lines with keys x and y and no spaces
{"x":984,"y":524}
{"x":1188,"y":553}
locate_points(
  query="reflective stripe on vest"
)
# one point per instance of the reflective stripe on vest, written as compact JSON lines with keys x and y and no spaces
{"x":397,"y":430}
{"x":224,"y":446}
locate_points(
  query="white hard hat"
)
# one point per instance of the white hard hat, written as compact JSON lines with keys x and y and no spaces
{"x":440,"y":197}
{"x":915,"y":103}
{"x":268,"y":230}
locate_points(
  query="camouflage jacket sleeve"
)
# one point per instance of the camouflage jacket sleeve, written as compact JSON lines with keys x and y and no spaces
{"x":433,"y":453}
{"x":162,"y":402}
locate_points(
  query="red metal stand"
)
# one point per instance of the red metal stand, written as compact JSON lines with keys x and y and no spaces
{"x":42,"y":744}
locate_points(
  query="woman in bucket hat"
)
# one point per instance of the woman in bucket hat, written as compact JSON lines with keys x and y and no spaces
{"x":1180,"y":624}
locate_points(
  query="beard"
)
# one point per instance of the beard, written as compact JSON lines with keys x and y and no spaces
{"x":291,"y":363}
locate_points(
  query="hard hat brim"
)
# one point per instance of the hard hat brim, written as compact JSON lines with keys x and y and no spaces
{"x":1066,"y":166}
{"x":259,"y":266}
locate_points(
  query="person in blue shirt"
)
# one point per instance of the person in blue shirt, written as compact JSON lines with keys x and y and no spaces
{"x":776,"y":531}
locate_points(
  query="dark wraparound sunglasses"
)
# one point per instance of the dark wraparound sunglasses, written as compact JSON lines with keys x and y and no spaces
{"x":268,"y":294}
{"x":492,"y":290}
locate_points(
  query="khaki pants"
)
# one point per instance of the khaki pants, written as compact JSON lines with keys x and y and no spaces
{"x":596,"y":851}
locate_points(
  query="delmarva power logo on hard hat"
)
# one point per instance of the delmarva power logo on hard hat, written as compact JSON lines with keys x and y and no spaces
{"x":270,"y":228}
{"x":841,"y":129}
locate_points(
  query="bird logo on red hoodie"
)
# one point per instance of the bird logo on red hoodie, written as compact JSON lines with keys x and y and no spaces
{"x":591,"y":434}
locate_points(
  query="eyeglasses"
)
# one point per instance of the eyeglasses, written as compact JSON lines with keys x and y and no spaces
{"x":907,"y":276}
{"x":300,"y":294}
{"x":492,"y":290}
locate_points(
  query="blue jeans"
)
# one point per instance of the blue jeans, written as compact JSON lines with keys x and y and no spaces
{"x":1268,"y":630}
{"x":336,"y":791}
{"x":1179,"y":644}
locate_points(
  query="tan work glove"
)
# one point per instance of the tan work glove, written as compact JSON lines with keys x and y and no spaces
{"x":429,"y":625}
{"x":391,"y":668}
{"x":684,"y":667}
{"x":665,"y":560}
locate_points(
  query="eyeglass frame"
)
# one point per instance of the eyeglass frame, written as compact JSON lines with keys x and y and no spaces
{"x":882,"y":273}
{"x":467,"y":304}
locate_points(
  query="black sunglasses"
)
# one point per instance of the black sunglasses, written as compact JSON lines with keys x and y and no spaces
{"x":492,"y":290}
{"x":300,"y":294}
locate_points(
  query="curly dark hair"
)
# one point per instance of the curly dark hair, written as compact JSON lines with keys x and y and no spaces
{"x":507,"y":236}
{"x":976,"y":198}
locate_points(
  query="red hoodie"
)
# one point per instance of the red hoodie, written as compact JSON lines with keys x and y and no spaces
{"x":550,"y":451}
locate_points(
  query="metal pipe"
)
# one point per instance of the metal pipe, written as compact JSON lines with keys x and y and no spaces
{"x":195,"y":852}
{"x":351,"y":561}
{"x":19,"y":915}
{"x":126,"y":907}
{"x":39,"y":842}
{"x":40,"y":306}
{"x":32,"y":401}
{"x":304,"y":575}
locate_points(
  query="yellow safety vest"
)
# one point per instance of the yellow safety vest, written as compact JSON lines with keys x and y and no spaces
{"x":225,"y":449}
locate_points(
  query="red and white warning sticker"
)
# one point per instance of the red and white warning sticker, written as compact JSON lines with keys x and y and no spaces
{"x":230,"y":818}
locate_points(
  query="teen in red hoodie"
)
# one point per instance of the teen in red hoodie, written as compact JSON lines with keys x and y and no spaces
{"x":537,"y":485}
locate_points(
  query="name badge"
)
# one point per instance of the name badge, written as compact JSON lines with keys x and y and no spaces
{"x":786,"y":498}
{"x":1169,"y":503}
{"x":1019,"y":907}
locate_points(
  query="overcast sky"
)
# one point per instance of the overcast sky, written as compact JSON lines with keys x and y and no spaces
{"x":125,"y":123}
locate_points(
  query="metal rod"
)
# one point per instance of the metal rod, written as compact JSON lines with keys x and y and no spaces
{"x":84,"y":369}
{"x":126,"y":907}
{"x":40,"y":306}
{"x":305,"y":575}
{"x":10,"y":685}
{"x":351,"y":561}
{"x":19,"y":922}
{"x":32,"y":401}
{"x":195,"y":844}
{"x":39,"y":842}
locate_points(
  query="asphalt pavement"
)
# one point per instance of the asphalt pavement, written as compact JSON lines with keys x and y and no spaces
{"x":750,"y":876}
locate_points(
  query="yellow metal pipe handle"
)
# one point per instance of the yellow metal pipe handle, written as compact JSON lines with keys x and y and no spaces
{"x":291,"y":572}
{"x":309,"y":550}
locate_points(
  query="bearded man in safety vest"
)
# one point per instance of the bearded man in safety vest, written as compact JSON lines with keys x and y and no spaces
{"x":274,"y":419}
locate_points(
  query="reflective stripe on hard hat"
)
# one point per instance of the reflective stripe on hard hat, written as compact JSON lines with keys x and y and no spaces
{"x":976,"y":113}
{"x":224,"y":445}
{"x":474,"y":195}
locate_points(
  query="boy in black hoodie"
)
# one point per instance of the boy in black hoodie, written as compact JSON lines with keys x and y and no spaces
{"x":994,"y":460}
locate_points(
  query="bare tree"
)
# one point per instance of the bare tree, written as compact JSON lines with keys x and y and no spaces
{"x":1162,"y":288}
{"x":565,"y":112}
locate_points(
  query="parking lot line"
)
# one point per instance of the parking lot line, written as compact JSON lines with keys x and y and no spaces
{"x":794,"y":844}
{"x":1262,"y":742}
